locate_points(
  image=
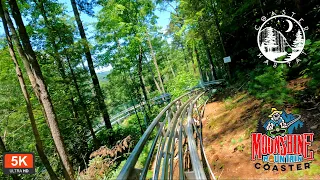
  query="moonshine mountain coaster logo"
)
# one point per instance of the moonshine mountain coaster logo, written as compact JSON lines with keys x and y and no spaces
{"x":282,"y":143}
{"x":281,"y":38}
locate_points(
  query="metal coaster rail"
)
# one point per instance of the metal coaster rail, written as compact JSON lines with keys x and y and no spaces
{"x":175,"y":139}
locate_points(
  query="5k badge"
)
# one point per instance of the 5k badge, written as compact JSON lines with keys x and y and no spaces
{"x":18,"y":163}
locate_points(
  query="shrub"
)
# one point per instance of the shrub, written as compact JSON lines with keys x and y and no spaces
{"x":271,"y":86}
{"x":313,"y":64}
{"x":129,"y":127}
{"x":183,"y":81}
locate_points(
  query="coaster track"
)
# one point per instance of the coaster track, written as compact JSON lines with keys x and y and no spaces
{"x":176,"y":135}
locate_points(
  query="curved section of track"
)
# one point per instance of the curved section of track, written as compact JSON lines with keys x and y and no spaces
{"x":177,"y":151}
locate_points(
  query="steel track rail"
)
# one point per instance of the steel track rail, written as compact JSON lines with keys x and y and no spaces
{"x":133,"y":158}
{"x":165,"y":167}
{"x":164,"y":143}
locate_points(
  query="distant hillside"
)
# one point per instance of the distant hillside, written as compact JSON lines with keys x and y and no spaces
{"x":102,"y":76}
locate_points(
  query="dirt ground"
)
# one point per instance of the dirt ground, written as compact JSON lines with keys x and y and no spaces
{"x":227,"y":126}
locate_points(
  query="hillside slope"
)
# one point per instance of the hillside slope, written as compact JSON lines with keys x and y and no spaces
{"x":227,"y":128}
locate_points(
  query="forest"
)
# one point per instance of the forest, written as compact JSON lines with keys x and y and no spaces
{"x":68,"y":68}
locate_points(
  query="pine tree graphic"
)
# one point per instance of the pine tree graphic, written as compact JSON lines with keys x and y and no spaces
{"x":270,"y":40}
{"x":298,"y":42}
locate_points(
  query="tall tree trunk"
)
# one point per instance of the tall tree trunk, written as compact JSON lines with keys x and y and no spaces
{"x":56,"y":56}
{"x":153,"y":77}
{"x":25,"y":61}
{"x":183,"y":50}
{"x":226,"y":66}
{"x":83,"y":66}
{"x":83,"y":105}
{"x":184,"y":55}
{"x":75,"y":110}
{"x":135,"y":111}
{"x":172,"y":71}
{"x":23,"y":56}
{"x":208,"y":53}
{"x":198,"y":61}
{"x":139,"y":95}
{"x":44,"y":94}
{"x":24,"y":90}
{"x":144,"y":82}
{"x":124,"y":78}
{"x":63,"y":75}
{"x":157,"y":84}
{"x":3,"y":150}
{"x":27,"y":66}
{"x":156,"y":64}
{"x":191,"y":59}
{"x":95,"y":81}
{"x":142,"y":85}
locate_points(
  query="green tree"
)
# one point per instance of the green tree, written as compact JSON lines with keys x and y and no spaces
{"x":95,"y":81}
{"x":44,"y":95}
{"x":26,"y":95}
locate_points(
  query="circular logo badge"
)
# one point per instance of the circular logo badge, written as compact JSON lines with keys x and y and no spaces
{"x":281,"y":39}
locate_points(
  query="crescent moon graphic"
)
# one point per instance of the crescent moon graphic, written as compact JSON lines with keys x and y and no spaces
{"x":290,"y":26}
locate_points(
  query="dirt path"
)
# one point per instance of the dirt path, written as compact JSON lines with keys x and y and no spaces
{"x":227,"y":128}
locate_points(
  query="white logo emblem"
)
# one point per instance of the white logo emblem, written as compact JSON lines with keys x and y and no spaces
{"x":281,"y":39}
